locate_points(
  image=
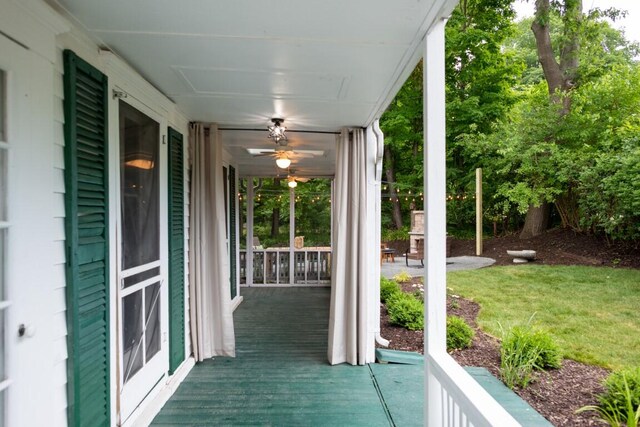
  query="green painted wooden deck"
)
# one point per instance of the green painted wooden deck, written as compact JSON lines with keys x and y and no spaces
{"x":280,"y":375}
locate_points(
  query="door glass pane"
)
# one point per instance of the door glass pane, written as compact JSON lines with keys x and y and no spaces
{"x":139,"y":149}
{"x":132,"y":334}
{"x":152,"y":328}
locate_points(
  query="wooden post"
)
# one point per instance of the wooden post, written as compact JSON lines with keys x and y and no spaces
{"x":248,"y":259}
{"x":478,"y":211}
{"x":435,"y":220}
{"x":292,"y":233}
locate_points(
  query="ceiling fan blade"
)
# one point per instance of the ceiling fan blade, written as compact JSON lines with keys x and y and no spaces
{"x":264,"y":154}
{"x":302,"y":179}
{"x":301,"y":155}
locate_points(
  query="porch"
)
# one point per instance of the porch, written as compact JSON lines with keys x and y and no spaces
{"x":281,"y":376}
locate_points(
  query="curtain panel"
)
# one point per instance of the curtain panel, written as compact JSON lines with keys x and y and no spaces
{"x":212,"y":331}
{"x":348,"y":312}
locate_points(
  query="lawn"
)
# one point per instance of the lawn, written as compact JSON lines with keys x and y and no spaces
{"x":594,"y":313}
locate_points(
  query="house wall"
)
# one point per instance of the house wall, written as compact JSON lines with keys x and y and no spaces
{"x":36,"y":280}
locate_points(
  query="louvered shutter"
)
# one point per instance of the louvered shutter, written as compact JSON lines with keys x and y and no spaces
{"x":176,"y":250}
{"x":232,"y":231}
{"x":86,"y":223}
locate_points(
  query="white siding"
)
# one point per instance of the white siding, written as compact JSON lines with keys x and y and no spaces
{"x":60,"y":325}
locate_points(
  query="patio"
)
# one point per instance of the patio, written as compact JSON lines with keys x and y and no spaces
{"x":281,"y":376}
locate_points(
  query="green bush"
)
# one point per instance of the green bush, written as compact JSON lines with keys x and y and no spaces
{"x":388,"y":288}
{"x":401,"y":277}
{"x":620,"y":403}
{"x":406,"y":311}
{"x":389,"y":234}
{"x":524,"y":350}
{"x":459,"y":333}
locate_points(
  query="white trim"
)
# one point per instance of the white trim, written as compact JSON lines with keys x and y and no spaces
{"x":5,"y":384}
{"x":235,"y":303}
{"x":139,"y":269}
{"x":124,"y":292}
{"x":5,"y":304}
{"x":153,"y":403}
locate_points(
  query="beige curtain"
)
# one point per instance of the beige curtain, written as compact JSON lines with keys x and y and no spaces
{"x":212,"y":331}
{"x":348,"y":315}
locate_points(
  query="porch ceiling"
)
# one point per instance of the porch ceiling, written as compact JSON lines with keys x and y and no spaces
{"x":320,"y":65}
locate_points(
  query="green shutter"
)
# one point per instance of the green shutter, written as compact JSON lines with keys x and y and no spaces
{"x":87,"y":239}
{"x":232,"y":231}
{"x":176,"y":250}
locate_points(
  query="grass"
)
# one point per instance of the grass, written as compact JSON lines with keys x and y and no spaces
{"x":594,"y":313}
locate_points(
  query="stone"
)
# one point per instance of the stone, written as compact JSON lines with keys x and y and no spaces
{"x":524,"y":254}
{"x":520,"y":261}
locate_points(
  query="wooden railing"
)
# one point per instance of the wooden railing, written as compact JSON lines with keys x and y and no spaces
{"x":455,"y":399}
{"x":272,"y":266}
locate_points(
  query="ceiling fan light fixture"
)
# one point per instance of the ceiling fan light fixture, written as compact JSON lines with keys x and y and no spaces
{"x":283,"y":162}
{"x":276,"y":132}
{"x":292,"y":182}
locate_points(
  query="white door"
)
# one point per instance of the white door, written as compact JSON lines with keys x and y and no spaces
{"x":142,"y":260}
{"x":26,"y":240}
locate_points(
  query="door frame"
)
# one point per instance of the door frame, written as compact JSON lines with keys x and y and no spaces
{"x":125,"y":408}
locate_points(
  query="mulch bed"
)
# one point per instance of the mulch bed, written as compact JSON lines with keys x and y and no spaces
{"x":555,"y":394}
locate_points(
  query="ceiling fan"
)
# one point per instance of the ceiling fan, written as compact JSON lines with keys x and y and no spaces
{"x":292,"y":180}
{"x":284,"y":157}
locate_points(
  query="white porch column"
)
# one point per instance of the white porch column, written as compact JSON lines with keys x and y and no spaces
{"x":443,"y":376}
{"x":373,"y":240}
{"x":292,"y":232}
{"x":249,"y":253}
{"x":435,"y":219}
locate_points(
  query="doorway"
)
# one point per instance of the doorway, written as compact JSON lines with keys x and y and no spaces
{"x":142,"y":247}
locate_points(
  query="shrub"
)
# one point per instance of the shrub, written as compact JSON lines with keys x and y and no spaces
{"x":459,"y":333}
{"x":390,"y":234}
{"x":388,"y":288}
{"x":524,"y":350}
{"x":401,"y":277}
{"x":406,"y":311}
{"x":619,"y":405}
{"x":615,"y":388}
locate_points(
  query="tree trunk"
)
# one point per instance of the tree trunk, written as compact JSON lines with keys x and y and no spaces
{"x":391,"y":179}
{"x":536,"y":221}
{"x":560,"y":77}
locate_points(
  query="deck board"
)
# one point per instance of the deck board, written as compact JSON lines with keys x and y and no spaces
{"x":280,"y":375}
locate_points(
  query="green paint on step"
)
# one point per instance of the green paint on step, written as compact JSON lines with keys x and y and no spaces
{"x":518,"y":408}
{"x":401,"y":357}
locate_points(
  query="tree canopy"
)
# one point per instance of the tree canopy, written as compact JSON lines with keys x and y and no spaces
{"x":564,"y":135}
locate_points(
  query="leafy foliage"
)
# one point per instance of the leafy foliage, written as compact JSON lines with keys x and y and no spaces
{"x":583,"y":160}
{"x":388,"y":288}
{"x":619,"y":386}
{"x":619,"y":405}
{"x":459,"y":333}
{"x":271,"y":204}
{"x":523,"y":350}
{"x":406,"y":311}
{"x":401,"y":277}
